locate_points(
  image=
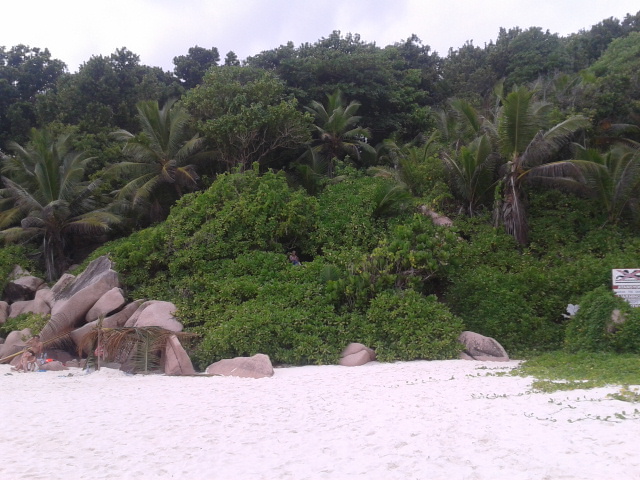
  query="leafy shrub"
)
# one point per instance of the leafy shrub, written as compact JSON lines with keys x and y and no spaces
{"x":33,"y":321}
{"x":239,"y":213}
{"x":414,"y":252}
{"x":346,"y":215}
{"x":515,"y":308}
{"x":591,"y":329}
{"x":10,"y":256}
{"x":259,"y":303}
{"x":405,"y":325}
{"x":517,"y":295}
{"x":426,"y":177}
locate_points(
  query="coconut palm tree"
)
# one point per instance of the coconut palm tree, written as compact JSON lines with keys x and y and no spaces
{"x":613,"y":177}
{"x":472,"y":170}
{"x":159,"y":155}
{"x":526,"y":147}
{"x":406,"y":162}
{"x":338,"y":131}
{"x":45,"y":197}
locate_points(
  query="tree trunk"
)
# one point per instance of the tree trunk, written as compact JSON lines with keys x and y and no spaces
{"x":513,"y":212}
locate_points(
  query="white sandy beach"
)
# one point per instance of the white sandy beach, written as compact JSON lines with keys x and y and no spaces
{"x":413,"y":420}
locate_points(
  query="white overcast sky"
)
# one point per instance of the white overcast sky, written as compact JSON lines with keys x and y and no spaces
{"x":159,"y":30}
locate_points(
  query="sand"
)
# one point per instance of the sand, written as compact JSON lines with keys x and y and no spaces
{"x":452,"y":419}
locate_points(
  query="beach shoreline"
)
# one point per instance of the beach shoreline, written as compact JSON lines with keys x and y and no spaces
{"x":452,"y":419}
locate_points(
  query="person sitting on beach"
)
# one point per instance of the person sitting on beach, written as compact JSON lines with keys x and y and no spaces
{"x":293,"y":258}
{"x":35,"y":345}
{"x":99,"y":351}
{"x":27,"y":361}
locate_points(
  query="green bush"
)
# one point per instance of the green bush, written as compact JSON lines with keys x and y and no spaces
{"x":259,"y":303}
{"x":239,"y":213}
{"x":10,"y":256}
{"x":405,"y":325}
{"x":518,"y":294}
{"x":33,"y":321}
{"x":346,"y":216}
{"x":591,"y":329}
{"x":503,"y":291}
{"x":411,"y":255}
{"x":512,"y":307}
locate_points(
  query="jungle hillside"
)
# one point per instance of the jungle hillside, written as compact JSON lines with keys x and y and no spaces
{"x":420,"y":195}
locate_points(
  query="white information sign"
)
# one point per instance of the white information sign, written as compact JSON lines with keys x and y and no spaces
{"x":626,"y":284}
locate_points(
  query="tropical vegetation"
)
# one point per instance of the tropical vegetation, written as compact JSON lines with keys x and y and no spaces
{"x":200,"y":182}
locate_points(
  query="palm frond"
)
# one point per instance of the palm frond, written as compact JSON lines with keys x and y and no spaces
{"x":93,"y":223}
{"x":470,"y":114}
{"x":390,"y":199}
{"x":472,"y":170}
{"x":23,"y":199}
{"x":517,"y":124}
{"x":140,"y":346}
{"x":19,"y":234}
{"x":10,"y":216}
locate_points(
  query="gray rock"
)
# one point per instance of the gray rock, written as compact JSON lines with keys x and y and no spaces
{"x":257,"y":366}
{"x":113,"y":321}
{"x":37,"y":305}
{"x":95,"y":270}
{"x":176,"y":360}
{"x":109,"y":302}
{"x":21,"y":285}
{"x":356,"y":354}
{"x":616,"y":321}
{"x":155,"y":313}
{"x":14,"y":343}
{"x":45,"y":294}
{"x":72,"y":302}
{"x":436,"y":218}
{"x":4,"y":312}
{"x":355,"y":359}
{"x":62,"y":283}
{"x":479,"y":347}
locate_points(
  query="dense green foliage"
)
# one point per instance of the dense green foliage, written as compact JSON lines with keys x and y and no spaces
{"x":409,"y":326}
{"x":46,"y":198}
{"x":354,"y":156}
{"x":221,"y":257}
{"x":33,"y":321}
{"x":519,"y":295}
{"x":10,"y":256}
{"x":595,"y":327}
{"x":246,"y":116}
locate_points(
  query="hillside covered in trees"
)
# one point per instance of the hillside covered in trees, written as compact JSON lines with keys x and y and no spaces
{"x":200,"y":182}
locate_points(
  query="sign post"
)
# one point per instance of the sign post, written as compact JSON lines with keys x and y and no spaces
{"x":626,"y":284}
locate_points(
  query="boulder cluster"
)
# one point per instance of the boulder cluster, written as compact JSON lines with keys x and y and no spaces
{"x":76,"y":304}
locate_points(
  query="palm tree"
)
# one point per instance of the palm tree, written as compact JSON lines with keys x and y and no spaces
{"x":613,"y":177}
{"x":338,"y":133}
{"x":311,"y":175}
{"x":160,"y":155}
{"x":462,"y":122}
{"x":45,"y":192}
{"x":406,"y":162}
{"x":526,"y":147}
{"x":472,"y":171}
